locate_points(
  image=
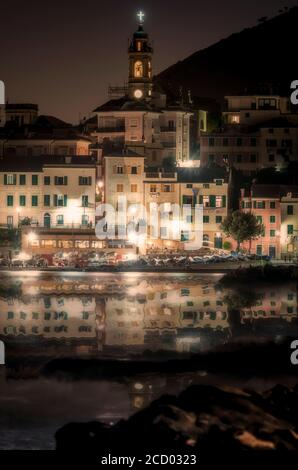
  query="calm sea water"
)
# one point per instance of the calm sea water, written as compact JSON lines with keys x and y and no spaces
{"x":51,"y":317}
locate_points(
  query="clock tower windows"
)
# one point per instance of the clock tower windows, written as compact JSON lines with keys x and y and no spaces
{"x":138,"y":69}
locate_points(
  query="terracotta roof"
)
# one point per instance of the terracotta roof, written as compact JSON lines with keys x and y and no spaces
{"x":269,"y":191}
{"x":29,"y":164}
{"x":201,"y":175}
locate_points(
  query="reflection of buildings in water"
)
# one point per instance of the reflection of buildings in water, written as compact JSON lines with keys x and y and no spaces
{"x":177,"y":318}
{"x":153,"y":315}
{"x":124,"y":319}
{"x":142,"y":312}
{"x":51,"y":316}
{"x":279,"y":302}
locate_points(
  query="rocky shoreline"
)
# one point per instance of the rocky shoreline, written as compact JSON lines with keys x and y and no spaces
{"x":200,"y":420}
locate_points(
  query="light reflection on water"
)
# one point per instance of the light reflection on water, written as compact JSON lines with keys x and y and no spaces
{"x":49,"y":316}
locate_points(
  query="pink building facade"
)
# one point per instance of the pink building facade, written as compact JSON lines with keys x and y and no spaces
{"x":264,"y":202}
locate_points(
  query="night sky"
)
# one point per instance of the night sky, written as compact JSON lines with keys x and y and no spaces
{"x":63,"y":54}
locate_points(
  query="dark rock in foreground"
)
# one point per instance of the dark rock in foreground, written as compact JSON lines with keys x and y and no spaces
{"x":201,"y":419}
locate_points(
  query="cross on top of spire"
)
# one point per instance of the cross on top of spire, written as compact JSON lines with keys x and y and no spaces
{"x":141,"y":16}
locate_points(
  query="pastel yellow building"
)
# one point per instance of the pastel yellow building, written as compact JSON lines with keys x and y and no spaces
{"x":52,"y":199}
{"x":163,"y":195}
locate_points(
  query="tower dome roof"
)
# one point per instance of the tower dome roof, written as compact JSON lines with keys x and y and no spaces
{"x":140,"y":35}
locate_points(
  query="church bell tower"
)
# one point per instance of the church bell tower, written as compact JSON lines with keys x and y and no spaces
{"x":140,"y":64}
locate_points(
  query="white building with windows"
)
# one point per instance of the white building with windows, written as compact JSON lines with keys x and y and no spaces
{"x":47,"y":192}
{"x":52,"y":199}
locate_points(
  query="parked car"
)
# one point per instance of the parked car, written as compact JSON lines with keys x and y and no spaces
{"x":17,"y":263}
{"x":4,"y":262}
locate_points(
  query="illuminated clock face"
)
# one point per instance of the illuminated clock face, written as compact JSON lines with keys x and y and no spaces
{"x":138,"y":94}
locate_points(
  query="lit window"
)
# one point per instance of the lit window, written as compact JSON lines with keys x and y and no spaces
{"x":206,"y":201}
{"x":82,"y":244}
{"x":134,"y":188}
{"x":9,"y":179}
{"x":138,"y":69}
{"x":218,"y":201}
{"x":235,"y":119}
{"x":119,"y":188}
{"x":48,"y":244}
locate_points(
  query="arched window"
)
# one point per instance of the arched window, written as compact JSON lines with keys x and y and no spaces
{"x":138,"y":69}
